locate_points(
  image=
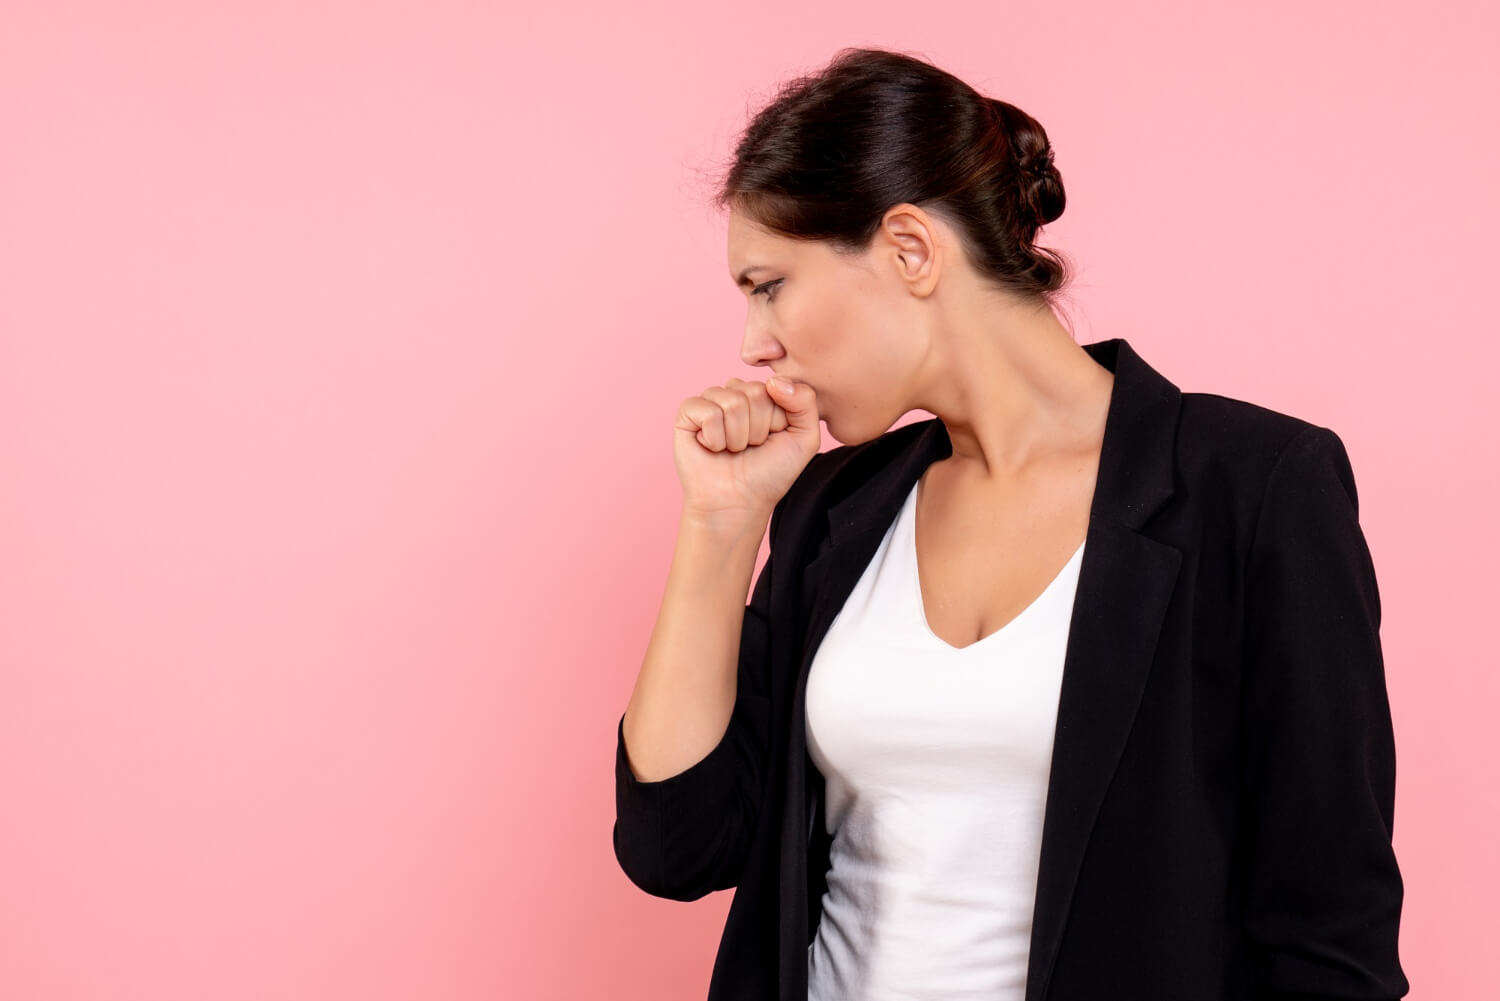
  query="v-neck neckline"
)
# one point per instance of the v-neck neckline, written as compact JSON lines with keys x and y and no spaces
{"x":915,"y":573}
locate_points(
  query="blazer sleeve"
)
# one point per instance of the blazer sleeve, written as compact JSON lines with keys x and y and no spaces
{"x":1323,"y":896}
{"x":682,"y":836}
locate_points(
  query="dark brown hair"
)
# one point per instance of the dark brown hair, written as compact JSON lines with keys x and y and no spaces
{"x":834,"y":150}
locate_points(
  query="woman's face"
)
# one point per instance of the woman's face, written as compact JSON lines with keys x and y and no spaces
{"x":846,"y":326}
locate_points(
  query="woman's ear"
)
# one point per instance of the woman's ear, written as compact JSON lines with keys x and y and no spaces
{"x":915,"y":246}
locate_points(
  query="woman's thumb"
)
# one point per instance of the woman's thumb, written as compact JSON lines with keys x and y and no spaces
{"x":797,"y":399}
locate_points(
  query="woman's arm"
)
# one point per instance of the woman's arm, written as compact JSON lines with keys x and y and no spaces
{"x":1323,"y":900}
{"x":688,"y":788}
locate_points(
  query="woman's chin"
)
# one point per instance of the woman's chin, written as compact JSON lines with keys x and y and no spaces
{"x":858,"y":432}
{"x":847,"y":436}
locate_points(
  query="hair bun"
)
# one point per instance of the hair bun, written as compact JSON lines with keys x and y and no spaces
{"x":1041,"y":164}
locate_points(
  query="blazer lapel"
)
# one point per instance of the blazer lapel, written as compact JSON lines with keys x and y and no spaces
{"x":1125,"y":581}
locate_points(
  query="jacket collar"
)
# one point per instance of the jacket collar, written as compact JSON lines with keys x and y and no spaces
{"x":1125,"y":582}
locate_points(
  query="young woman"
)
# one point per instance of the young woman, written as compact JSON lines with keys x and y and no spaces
{"x":1073,"y":691}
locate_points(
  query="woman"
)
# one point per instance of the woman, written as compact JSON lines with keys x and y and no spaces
{"x":1074,"y":691}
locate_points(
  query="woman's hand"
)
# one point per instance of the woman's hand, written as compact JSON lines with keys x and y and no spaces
{"x":740,"y":446}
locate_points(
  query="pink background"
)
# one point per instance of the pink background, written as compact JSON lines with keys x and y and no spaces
{"x":339,"y":349}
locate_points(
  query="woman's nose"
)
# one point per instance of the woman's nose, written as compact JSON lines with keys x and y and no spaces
{"x":758,"y":347}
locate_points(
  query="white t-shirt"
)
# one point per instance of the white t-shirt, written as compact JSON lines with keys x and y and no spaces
{"x":936,"y":761}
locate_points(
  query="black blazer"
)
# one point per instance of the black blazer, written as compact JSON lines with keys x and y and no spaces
{"x":1220,"y":805}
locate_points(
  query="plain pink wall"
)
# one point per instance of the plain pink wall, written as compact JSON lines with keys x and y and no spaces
{"x":339,"y":348}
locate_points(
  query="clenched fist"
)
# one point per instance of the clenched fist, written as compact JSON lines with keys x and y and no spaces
{"x":740,"y":446}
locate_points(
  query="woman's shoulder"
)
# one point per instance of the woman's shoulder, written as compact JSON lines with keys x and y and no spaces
{"x":1221,"y":437}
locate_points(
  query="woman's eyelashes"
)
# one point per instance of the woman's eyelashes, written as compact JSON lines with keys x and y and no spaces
{"x":766,"y":288}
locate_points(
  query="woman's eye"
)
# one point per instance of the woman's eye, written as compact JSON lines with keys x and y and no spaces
{"x":766,"y":288}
